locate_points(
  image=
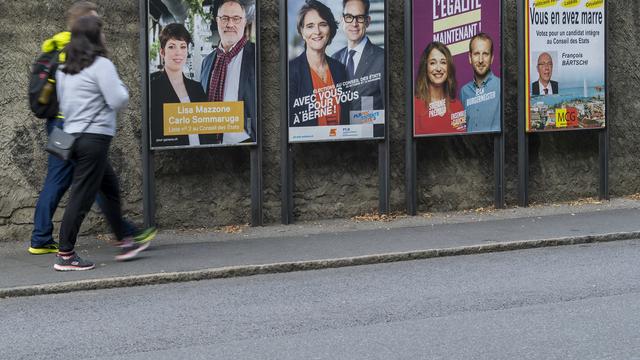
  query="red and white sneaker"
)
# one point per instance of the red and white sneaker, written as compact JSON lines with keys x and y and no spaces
{"x":72,"y":262}
{"x":129,"y":249}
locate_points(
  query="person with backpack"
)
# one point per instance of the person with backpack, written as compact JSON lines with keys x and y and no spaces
{"x":44,"y":104}
{"x":90,"y":94}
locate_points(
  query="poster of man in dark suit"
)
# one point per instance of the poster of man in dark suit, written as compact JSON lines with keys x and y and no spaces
{"x":361,"y":57}
{"x":544,"y":85}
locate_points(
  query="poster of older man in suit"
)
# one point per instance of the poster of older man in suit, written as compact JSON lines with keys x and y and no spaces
{"x":336,"y":69}
{"x":565,"y":55}
{"x":202,"y":65}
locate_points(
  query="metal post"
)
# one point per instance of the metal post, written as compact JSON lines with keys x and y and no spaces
{"x":603,"y":136}
{"x":148,"y":178}
{"x":383,"y":172}
{"x":498,"y":139}
{"x":523,"y":140}
{"x":256,"y":183}
{"x":384,"y":155}
{"x":256,"y":151}
{"x":410,"y":147}
{"x":498,"y":161}
{"x":286,"y":166}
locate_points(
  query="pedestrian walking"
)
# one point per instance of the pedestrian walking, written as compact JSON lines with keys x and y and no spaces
{"x":90,"y":94}
{"x":60,"y":172}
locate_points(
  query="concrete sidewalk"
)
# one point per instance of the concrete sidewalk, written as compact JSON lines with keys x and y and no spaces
{"x":196,"y":255}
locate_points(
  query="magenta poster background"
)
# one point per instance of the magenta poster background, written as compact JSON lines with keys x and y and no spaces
{"x":423,"y":34}
{"x":423,"y":20}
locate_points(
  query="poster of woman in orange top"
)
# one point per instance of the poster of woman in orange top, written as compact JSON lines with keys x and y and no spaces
{"x":335,"y":71}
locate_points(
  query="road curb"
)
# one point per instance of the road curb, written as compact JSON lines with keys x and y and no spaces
{"x":283,"y":267}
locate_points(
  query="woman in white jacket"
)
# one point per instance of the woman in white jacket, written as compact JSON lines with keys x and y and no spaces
{"x":91,"y":93}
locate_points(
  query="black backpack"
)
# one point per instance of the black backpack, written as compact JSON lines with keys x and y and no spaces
{"x":43,"y":99}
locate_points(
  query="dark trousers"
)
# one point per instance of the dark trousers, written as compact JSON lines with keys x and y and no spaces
{"x":58,"y":180}
{"x":93,"y":174}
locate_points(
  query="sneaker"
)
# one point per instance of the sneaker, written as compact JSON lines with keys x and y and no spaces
{"x":72,"y":263}
{"x":130,"y":249}
{"x":50,"y":248}
{"x":145,"y":235}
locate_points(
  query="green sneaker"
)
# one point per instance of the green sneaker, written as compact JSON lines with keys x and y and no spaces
{"x":51,"y":248}
{"x":145,"y":235}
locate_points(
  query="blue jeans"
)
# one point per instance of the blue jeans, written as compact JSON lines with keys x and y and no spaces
{"x":58,"y":180}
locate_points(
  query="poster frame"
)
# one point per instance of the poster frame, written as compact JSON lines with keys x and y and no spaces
{"x":412,"y":78}
{"x":523,"y":108}
{"x":411,"y":139}
{"x":386,"y":76}
{"x":258,"y":119}
{"x":148,"y":169}
{"x":526,"y":79}
{"x":287,"y":147}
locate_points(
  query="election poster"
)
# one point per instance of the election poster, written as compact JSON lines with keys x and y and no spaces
{"x":202,"y":73}
{"x":565,"y":65}
{"x":336,"y":70}
{"x":456,"y":67}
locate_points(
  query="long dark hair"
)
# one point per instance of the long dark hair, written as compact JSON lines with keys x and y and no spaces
{"x":422,"y":80}
{"x":86,"y":44}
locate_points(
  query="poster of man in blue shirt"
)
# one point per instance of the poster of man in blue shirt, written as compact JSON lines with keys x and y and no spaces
{"x":481,"y":96}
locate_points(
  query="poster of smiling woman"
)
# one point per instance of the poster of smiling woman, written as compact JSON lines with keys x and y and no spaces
{"x":565,"y":62}
{"x":336,"y":69}
{"x":456,"y":67}
{"x":202,"y":66}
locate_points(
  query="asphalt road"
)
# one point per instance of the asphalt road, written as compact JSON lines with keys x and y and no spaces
{"x":575,"y":302}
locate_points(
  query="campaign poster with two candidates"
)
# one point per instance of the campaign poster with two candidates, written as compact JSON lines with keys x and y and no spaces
{"x":565,"y":57}
{"x":456,"y":67}
{"x":202,"y":73}
{"x":336,"y":70}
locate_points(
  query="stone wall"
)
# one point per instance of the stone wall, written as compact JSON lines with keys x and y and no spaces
{"x":210,"y":187}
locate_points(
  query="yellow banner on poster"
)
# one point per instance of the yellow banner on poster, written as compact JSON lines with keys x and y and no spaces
{"x":544,"y":3}
{"x":570,"y":3}
{"x":203,"y":118}
{"x":592,"y":4}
